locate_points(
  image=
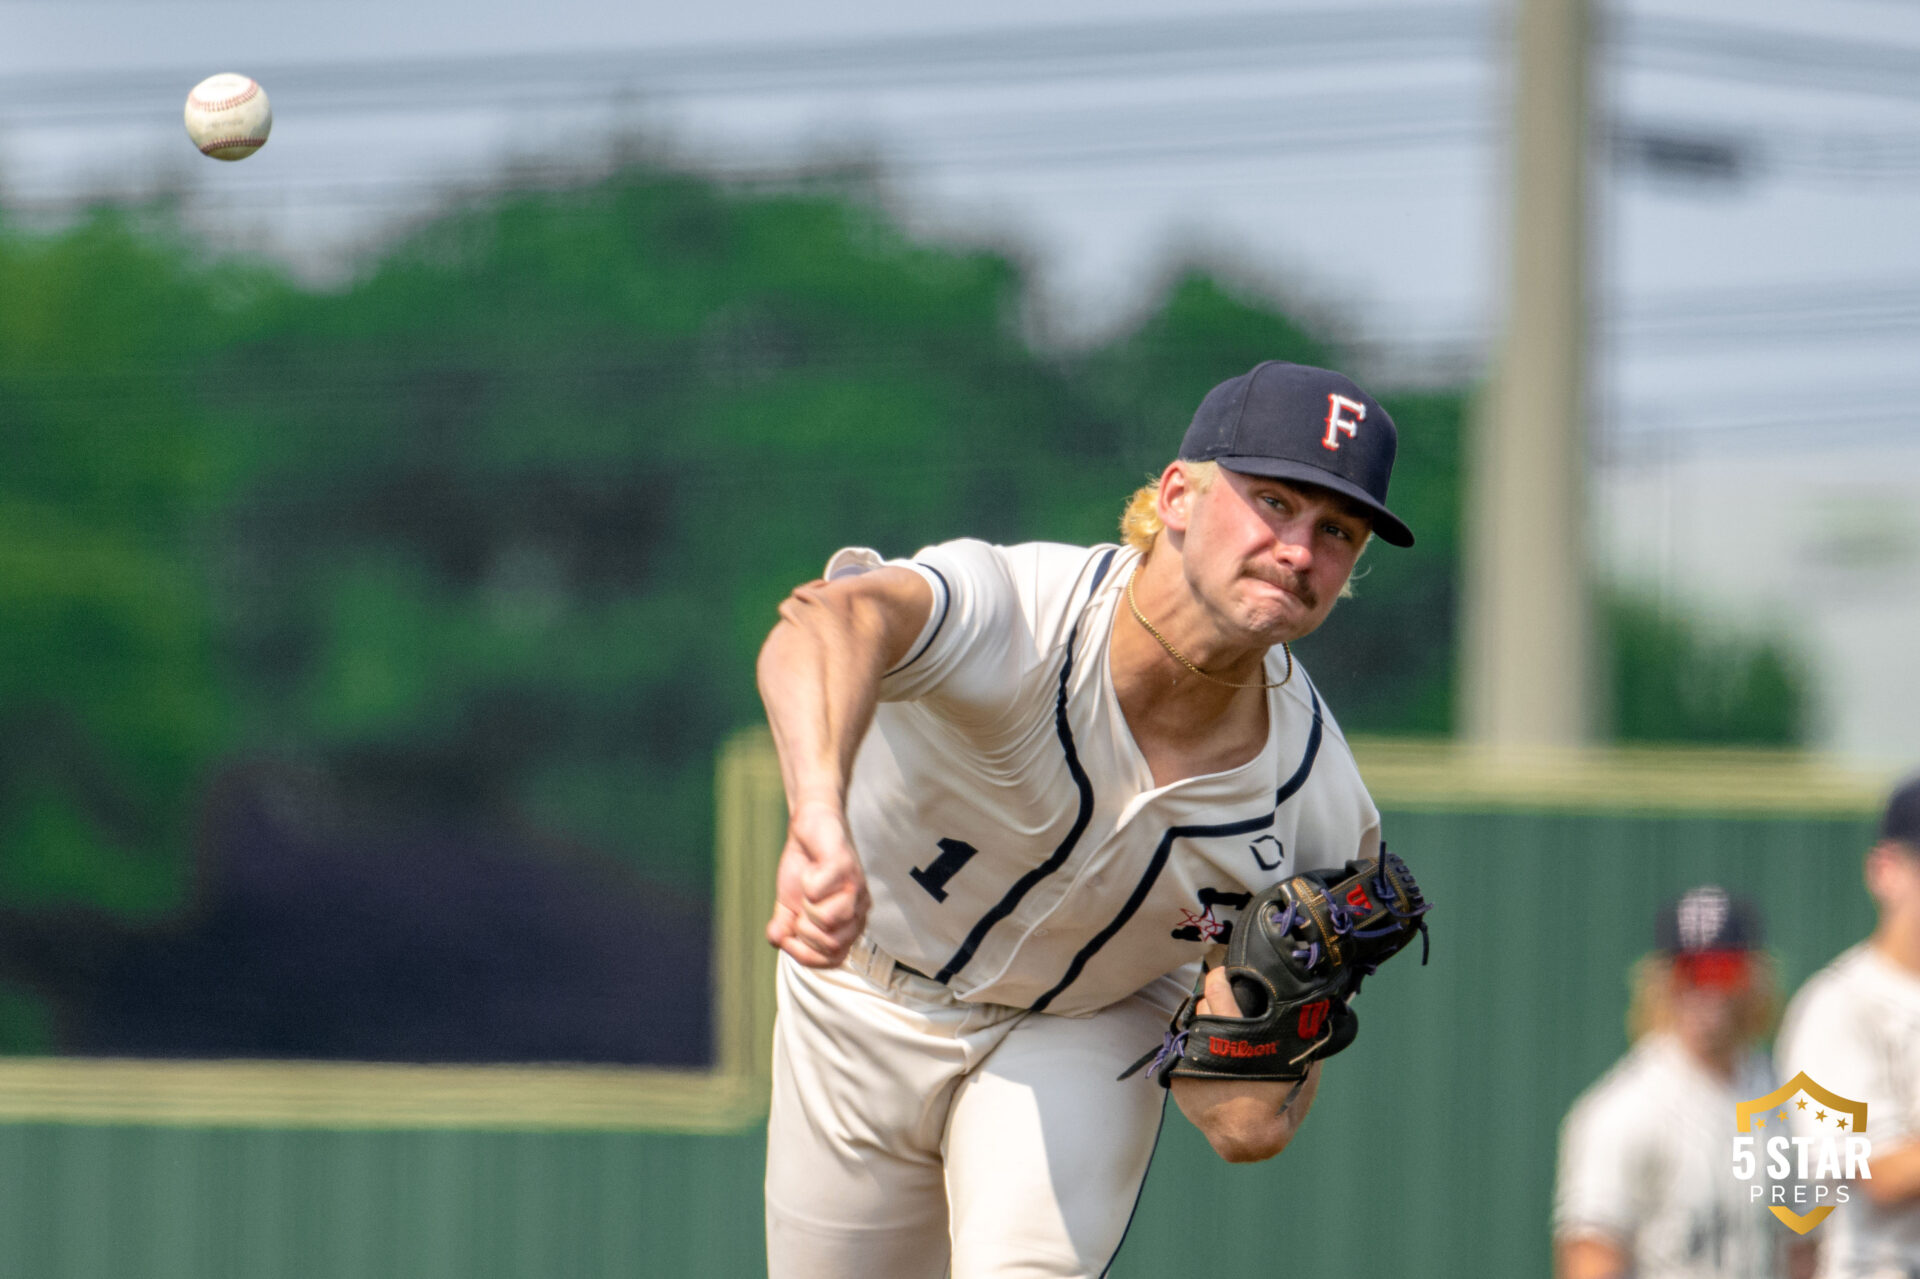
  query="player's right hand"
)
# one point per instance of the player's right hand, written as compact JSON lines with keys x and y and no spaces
{"x":820,"y":893}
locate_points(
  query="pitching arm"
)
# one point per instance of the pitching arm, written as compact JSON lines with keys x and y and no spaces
{"x":819,"y":675}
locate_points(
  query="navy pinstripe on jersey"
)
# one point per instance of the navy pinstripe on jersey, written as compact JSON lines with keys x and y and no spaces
{"x":1084,"y":785}
{"x":1016,"y":844}
{"x":1165,"y":848}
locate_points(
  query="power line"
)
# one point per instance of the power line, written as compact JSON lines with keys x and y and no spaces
{"x":1684,"y":322}
{"x":1772,"y":58}
{"x":1000,"y":56}
{"x":1747,"y":312}
{"x":1200,"y":132}
{"x":990,"y":57}
{"x":1301,"y":41}
{"x":1216,"y":132}
{"x":1701,"y":316}
{"x":1872,"y":427}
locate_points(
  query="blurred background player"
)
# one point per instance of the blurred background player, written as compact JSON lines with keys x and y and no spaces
{"x":1644,"y":1186}
{"x":1855,"y":1028}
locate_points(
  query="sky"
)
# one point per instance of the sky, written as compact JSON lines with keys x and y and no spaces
{"x":1398,"y":243}
{"x":1348,"y":160}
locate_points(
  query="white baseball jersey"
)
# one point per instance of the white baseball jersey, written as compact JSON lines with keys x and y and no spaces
{"x":1645,"y":1160}
{"x":1022,"y":860}
{"x":1854,"y":1028}
{"x":1017,"y":849}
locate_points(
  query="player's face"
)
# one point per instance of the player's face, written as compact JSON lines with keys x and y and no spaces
{"x":1270,"y":557}
{"x":1709,"y":1018}
{"x":1893,"y":876}
{"x":1711,"y":993}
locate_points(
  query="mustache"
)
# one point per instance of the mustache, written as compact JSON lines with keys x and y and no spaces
{"x":1292,"y":583}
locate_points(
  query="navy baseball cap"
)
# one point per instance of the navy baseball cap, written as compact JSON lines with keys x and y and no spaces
{"x":1295,"y":422}
{"x":1706,"y":919}
{"x":1901,"y":822}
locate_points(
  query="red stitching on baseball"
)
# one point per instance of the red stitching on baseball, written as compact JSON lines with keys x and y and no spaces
{"x":208,"y":148}
{"x":245,"y":95}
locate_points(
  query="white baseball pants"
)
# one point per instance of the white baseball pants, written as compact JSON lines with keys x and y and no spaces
{"x":914,"y":1136}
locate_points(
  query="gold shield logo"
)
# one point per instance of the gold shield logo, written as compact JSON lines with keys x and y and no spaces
{"x":1843,"y":1113}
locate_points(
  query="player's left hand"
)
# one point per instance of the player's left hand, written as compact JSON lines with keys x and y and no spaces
{"x":1244,"y":1119}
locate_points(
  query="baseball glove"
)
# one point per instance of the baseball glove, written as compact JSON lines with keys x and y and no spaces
{"x":1298,"y":956}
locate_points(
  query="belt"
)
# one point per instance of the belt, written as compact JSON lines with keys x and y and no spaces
{"x":877,"y":964}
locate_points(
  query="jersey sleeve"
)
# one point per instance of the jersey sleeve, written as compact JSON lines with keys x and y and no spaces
{"x":1602,"y":1170}
{"x":970,"y":652}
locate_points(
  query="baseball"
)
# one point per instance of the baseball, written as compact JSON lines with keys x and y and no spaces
{"x":228,"y":117}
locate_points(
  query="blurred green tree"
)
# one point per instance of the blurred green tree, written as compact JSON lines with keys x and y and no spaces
{"x":495,"y":529}
{"x":538,"y":480}
{"x":112,"y":711}
{"x":1677,"y":679}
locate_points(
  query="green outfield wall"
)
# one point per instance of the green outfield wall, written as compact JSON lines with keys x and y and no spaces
{"x":1429,"y":1153}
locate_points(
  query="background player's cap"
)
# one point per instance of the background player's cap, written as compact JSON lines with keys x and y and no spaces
{"x":1296,"y":422}
{"x":1707,"y":918}
{"x":1902,"y":820}
{"x":1710,"y":938}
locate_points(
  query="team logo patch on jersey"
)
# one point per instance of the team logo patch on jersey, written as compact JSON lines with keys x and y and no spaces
{"x":1207,"y":926}
{"x":1798,"y":1147}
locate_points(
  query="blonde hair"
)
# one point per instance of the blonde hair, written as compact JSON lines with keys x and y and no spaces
{"x":1655,"y":987}
{"x":1140,"y":524}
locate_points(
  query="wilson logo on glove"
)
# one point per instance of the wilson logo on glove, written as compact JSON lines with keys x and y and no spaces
{"x":1234,"y":1048}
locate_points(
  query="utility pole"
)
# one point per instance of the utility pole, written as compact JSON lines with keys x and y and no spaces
{"x":1528,"y":676}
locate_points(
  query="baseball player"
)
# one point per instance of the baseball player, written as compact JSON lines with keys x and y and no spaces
{"x":1029,"y":788}
{"x":1644,"y":1187}
{"x":1854,"y":1027}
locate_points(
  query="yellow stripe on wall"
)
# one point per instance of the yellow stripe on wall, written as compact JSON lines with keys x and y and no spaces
{"x":750,"y":827}
{"x":730,"y":1096}
{"x":1442,"y":774}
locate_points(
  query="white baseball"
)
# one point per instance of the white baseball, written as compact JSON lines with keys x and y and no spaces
{"x":228,"y":117}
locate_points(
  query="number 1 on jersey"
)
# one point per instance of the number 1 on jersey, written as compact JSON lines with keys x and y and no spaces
{"x":954,"y":853}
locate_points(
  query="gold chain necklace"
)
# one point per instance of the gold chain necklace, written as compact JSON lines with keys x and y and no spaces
{"x":1181,"y":658}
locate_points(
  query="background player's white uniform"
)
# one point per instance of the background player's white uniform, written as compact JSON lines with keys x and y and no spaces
{"x":1855,"y":1028}
{"x":1644,"y":1161}
{"x":1053,"y":901}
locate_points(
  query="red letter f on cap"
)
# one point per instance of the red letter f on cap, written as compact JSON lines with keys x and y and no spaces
{"x":1337,"y":424}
